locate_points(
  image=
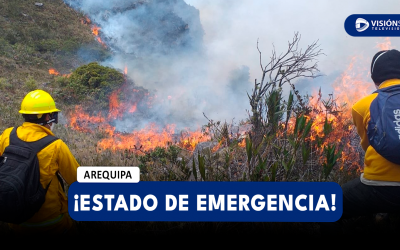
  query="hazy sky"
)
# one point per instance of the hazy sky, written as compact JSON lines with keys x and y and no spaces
{"x":233,"y":27}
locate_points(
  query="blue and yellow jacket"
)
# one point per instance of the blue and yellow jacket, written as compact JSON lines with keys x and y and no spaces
{"x":376,"y":167}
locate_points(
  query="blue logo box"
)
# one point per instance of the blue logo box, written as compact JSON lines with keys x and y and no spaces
{"x":373,"y":25}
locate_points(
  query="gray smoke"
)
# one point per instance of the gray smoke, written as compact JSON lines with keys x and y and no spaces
{"x":232,"y":29}
{"x":190,"y":53}
{"x":161,"y":44}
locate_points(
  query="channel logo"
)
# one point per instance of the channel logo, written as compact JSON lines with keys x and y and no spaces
{"x":361,"y":24}
{"x":385,"y":25}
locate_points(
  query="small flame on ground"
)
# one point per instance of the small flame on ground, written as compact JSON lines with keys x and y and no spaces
{"x":96,"y":31}
{"x":142,"y":140}
{"x":53,"y":72}
{"x":145,"y":139}
{"x":56,"y":73}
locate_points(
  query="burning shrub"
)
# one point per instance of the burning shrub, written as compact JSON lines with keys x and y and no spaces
{"x":92,"y":83}
{"x":301,"y":138}
{"x":289,"y":139}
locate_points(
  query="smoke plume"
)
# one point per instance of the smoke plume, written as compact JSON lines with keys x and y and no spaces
{"x":161,"y":45}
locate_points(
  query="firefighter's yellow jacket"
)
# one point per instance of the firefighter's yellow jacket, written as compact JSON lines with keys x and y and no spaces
{"x":55,"y":157}
{"x":376,"y":167}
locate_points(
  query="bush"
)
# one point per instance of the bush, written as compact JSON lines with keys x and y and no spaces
{"x":92,"y":82}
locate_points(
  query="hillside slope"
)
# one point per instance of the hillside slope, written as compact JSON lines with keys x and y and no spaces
{"x":36,"y":38}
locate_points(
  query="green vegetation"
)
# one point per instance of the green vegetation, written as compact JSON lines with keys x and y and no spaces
{"x":31,"y":84}
{"x":91,"y":82}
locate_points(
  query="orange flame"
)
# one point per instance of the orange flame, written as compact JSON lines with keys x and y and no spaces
{"x":56,"y":73}
{"x":142,"y":140}
{"x":100,"y":41}
{"x":145,"y":139}
{"x":83,"y":122}
{"x":53,"y":72}
{"x":114,"y":106}
{"x":96,"y":31}
{"x":149,"y":138}
{"x":349,"y":88}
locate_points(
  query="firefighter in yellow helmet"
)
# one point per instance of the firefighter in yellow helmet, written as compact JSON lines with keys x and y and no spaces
{"x":55,"y":163}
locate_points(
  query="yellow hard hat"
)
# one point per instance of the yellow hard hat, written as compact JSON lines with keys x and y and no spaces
{"x":38,"y":102}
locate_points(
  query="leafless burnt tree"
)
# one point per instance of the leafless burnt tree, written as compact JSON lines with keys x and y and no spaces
{"x":265,"y":99}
